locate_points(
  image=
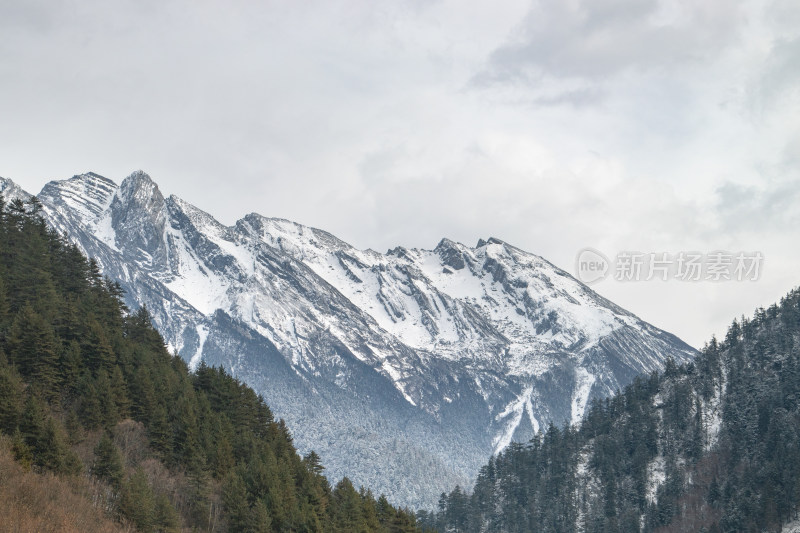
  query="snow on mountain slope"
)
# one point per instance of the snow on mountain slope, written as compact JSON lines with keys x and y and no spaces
{"x":422,"y":296}
{"x":392,"y":366}
{"x":11,"y":191}
{"x":493,"y":305}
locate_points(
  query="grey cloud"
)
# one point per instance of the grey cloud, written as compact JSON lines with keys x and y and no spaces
{"x":790,"y":159}
{"x":784,"y":16}
{"x":768,"y":207}
{"x":34,"y":15}
{"x":576,"y":98}
{"x":594,"y":39}
{"x":782,"y":71}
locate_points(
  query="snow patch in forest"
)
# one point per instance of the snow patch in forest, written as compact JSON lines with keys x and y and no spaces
{"x":583,"y":387}
{"x":713,"y":420}
{"x":202,"y":333}
{"x":656,"y":475}
{"x":792,"y":527}
{"x":582,"y":479}
{"x":515,"y":410}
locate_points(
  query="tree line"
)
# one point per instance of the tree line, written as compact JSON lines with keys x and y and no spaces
{"x":89,"y":390}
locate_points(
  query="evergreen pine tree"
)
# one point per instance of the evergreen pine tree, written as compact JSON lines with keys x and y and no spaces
{"x":31,"y":423}
{"x":108,"y":462}
{"x":96,"y":348}
{"x":119,"y":392}
{"x":105,"y":395}
{"x":70,"y":365}
{"x":166,"y":519}
{"x":51,"y":450}
{"x":75,"y":432}
{"x":137,"y":502}
{"x":22,"y":452}
{"x":11,"y":390}
{"x":160,"y":432}
{"x":34,"y":350}
{"x":234,"y":497}
{"x":259,"y":520}
{"x":90,"y":410}
{"x":347,"y":508}
{"x":4,"y":306}
{"x":313,"y":463}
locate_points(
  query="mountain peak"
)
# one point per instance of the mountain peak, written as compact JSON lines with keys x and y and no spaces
{"x":88,"y":194}
{"x":11,"y":191}
{"x":445,"y":243}
{"x":140,"y":188}
{"x":490,"y":240}
{"x":140,"y":175}
{"x":450,"y":253}
{"x":85,"y":181}
{"x":93,"y":177}
{"x":138,"y":214}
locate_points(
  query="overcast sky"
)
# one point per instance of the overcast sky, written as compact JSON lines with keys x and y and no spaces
{"x":638,"y":125}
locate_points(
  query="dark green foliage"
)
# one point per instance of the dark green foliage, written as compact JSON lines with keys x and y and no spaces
{"x":137,"y":502}
{"x":52,"y":451}
{"x":313,"y":462}
{"x":234,"y":496}
{"x":34,"y":349}
{"x":73,"y":363}
{"x":348,"y":516}
{"x":165,"y":516}
{"x":11,"y":395}
{"x":4,"y":307}
{"x":108,"y":462}
{"x":725,"y":430}
{"x":22,"y":452}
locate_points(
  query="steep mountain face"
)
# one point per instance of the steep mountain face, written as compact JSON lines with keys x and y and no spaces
{"x":405,"y":370}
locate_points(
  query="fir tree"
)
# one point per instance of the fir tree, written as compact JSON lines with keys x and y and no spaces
{"x":137,"y":502}
{"x":11,"y":395}
{"x":166,"y":518}
{"x":34,"y":349}
{"x":108,"y":462}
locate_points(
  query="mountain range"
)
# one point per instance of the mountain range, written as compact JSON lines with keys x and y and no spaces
{"x":404,"y":370}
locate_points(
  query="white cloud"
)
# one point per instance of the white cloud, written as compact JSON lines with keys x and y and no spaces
{"x":657,"y":125}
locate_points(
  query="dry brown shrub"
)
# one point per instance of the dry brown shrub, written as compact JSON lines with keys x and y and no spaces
{"x":41,"y":502}
{"x":131,"y":439}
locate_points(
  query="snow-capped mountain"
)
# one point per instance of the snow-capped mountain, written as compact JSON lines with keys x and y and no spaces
{"x":403,"y":370}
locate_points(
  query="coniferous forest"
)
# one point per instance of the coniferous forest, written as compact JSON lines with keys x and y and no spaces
{"x":102,"y":429}
{"x":711,"y":446}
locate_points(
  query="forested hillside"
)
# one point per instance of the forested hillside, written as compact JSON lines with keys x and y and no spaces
{"x":404,"y":370}
{"x":710,"y":446}
{"x":93,"y":406}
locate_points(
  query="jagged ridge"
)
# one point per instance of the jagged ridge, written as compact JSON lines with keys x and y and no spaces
{"x":393,"y":366}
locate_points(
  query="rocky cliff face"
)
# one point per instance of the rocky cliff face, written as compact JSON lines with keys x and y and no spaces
{"x":403,"y":370}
